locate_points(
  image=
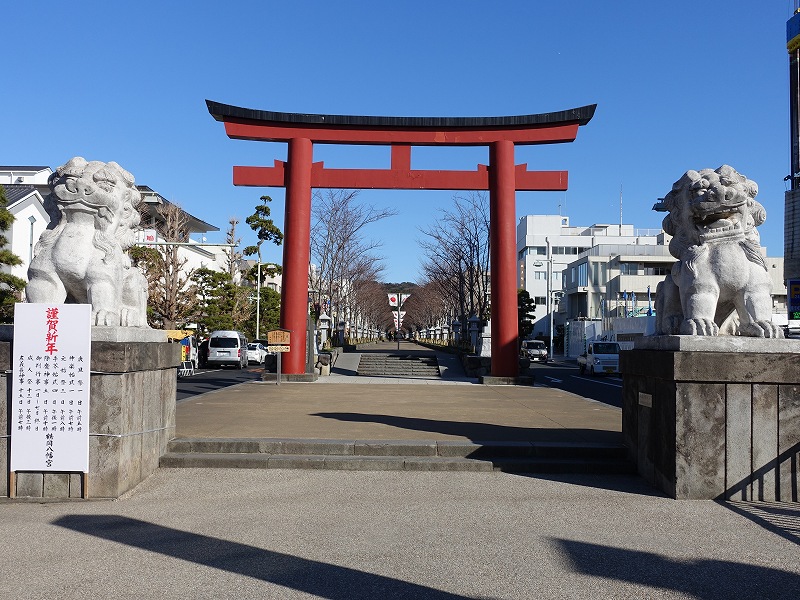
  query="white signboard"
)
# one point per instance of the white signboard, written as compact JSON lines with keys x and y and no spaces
{"x":148,"y":236}
{"x":50,"y":388}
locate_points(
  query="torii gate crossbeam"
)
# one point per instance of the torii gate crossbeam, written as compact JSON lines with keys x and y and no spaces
{"x":502,"y":178}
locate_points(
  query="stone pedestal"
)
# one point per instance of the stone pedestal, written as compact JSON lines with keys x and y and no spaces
{"x":714,"y":418}
{"x":131,"y":419}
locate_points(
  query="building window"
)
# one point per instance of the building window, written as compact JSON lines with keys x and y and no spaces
{"x":599,"y":273}
{"x":583,"y":274}
{"x":629,"y":268}
{"x":539,"y":250}
{"x":540,"y":275}
{"x":540,"y":300}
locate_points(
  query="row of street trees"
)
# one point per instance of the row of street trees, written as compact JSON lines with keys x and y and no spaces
{"x":456,"y":264}
{"x":456,"y":269}
{"x":347,"y":272}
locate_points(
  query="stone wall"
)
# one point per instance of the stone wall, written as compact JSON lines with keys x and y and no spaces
{"x":131,"y":420}
{"x":714,"y":418}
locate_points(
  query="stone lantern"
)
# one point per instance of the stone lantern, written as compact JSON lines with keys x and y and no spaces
{"x":474,"y":330}
{"x":456,"y":325}
{"x":324,"y":327}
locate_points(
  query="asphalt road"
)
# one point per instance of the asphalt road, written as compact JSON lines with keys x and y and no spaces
{"x":565,"y":376}
{"x":208,"y":380}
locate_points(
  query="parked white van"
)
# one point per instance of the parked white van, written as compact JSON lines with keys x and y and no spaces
{"x":227,"y":348}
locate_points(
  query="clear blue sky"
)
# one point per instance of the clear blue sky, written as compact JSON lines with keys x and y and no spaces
{"x":679,"y":85}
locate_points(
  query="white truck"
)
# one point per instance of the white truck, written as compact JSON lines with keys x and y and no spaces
{"x":599,"y":358}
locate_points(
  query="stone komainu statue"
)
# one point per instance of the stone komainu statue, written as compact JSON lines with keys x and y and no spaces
{"x":82,"y":256}
{"x":720,"y":284}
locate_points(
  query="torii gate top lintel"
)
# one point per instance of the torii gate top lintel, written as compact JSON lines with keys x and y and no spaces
{"x":543,"y":128}
{"x":502,"y":177}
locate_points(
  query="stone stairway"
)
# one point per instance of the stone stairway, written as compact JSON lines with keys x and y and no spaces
{"x":382,"y":364}
{"x":398,"y":455}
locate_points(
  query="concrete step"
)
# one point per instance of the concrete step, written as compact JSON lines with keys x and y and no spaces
{"x":405,"y":455}
{"x":398,"y":372}
{"x":398,"y":365}
{"x":393,"y":463}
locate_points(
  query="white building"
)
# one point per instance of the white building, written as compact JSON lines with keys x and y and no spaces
{"x":547,"y":244}
{"x":610,"y":292}
{"x":37,"y":176}
{"x":26,"y":188}
{"x":197,"y":252}
{"x":30,"y":220}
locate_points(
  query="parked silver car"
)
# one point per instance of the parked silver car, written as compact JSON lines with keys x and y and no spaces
{"x":535,"y":350}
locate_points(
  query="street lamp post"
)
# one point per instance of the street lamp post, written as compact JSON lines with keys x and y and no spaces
{"x":258,"y":292}
{"x":549,"y":292}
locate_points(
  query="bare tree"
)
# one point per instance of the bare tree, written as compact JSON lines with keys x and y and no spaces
{"x":172,"y":297}
{"x":233,"y":256}
{"x":426,"y":306}
{"x":457,"y":256}
{"x":345,"y":259}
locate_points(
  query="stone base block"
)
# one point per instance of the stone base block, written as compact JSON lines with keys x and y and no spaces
{"x":519,"y":380}
{"x":290,"y":377}
{"x":131,"y":420}
{"x":714,"y":421}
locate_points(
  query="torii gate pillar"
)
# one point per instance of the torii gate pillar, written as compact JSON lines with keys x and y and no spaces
{"x":503,"y":259}
{"x":296,"y":251}
{"x":502,"y":178}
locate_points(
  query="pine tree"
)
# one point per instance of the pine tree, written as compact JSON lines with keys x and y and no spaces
{"x":525,"y":311}
{"x":10,"y":286}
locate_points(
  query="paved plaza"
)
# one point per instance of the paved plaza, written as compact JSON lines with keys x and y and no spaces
{"x":223,"y":533}
{"x":283,"y":533}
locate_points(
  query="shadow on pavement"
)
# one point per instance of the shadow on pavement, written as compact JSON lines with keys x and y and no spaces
{"x":704,"y":579}
{"x":781,"y":518}
{"x":481,"y":432}
{"x":313,"y":577}
{"x":626,"y":484}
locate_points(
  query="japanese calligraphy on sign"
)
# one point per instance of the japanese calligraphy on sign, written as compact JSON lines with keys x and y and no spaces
{"x":50,"y":389}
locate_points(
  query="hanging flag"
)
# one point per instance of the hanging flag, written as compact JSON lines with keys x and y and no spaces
{"x":649,"y":303}
{"x":392,"y":299}
{"x":403,"y":298}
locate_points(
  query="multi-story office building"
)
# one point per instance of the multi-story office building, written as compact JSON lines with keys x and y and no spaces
{"x":616,"y":280}
{"x":547,"y":244}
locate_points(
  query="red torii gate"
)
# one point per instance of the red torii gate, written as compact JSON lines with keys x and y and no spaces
{"x":501,"y":177}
